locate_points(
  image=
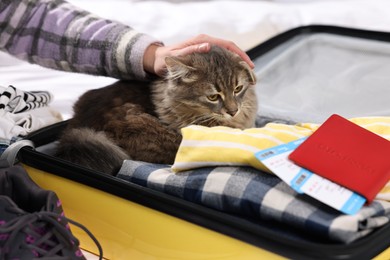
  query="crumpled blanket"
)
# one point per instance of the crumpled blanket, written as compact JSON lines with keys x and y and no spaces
{"x":22,"y":112}
{"x":252,"y":193}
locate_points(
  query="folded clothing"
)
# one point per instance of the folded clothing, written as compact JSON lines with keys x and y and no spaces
{"x":251,"y":193}
{"x":223,"y":146}
{"x":216,"y":146}
{"x":21,"y":124}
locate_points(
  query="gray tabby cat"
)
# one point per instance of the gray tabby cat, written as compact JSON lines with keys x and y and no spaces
{"x":142,"y":121}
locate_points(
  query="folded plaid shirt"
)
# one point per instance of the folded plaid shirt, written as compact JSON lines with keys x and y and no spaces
{"x":249,"y":192}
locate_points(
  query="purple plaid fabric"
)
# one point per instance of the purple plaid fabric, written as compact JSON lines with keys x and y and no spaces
{"x":58,"y":35}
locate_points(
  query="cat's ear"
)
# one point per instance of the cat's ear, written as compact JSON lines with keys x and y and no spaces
{"x":177,"y":68}
{"x":248,"y":72}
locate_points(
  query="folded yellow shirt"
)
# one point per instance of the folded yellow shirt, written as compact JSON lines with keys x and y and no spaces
{"x":220,"y":146}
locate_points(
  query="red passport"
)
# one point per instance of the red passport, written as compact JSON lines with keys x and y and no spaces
{"x":348,"y":155}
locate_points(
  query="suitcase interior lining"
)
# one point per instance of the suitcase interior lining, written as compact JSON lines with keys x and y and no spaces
{"x":312,"y":76}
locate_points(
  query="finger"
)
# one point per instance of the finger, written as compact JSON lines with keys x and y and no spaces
{"x":199,"y":39}
{"x":246,"y":58}
{"x":234,"y":48}
{"x":204,"y":39}
{"x":229,"y":45}
{"x":199,"y":48}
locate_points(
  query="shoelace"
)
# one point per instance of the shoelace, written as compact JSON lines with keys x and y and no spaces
{"x":45,"y":246}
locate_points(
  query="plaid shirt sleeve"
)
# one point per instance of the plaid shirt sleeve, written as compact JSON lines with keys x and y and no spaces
{"x":58,"y":35}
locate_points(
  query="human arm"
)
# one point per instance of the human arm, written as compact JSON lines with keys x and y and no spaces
{"x":58,"y":35}
{"x":55,"y":34}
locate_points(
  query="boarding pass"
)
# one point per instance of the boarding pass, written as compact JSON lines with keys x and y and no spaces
{"x":304,"y":181}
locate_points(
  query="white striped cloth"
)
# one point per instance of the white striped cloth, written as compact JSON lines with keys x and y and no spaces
{"x":16,"y":101}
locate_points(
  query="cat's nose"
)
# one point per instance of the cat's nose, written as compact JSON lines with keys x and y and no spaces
{"x":232,"y":112}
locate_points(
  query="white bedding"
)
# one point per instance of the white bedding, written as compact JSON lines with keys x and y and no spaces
{"x":247,"y":23}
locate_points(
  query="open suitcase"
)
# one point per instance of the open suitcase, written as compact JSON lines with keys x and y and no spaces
{"x":296,"y":71}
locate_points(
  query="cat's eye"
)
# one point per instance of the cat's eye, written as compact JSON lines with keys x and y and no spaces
{"x":238,"y":89}
{"x":213,"y":97}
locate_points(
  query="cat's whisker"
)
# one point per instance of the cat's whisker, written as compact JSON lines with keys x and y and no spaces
{"x":215,"y":120}
{"x":192,"y":121}
{"x":246,"y":105}
{"x":201,"y":120}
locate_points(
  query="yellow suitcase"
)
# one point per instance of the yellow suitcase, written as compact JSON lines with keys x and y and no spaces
{"x":132,"y":221}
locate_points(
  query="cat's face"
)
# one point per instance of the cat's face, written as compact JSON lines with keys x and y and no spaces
{"x":211,"y":89}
